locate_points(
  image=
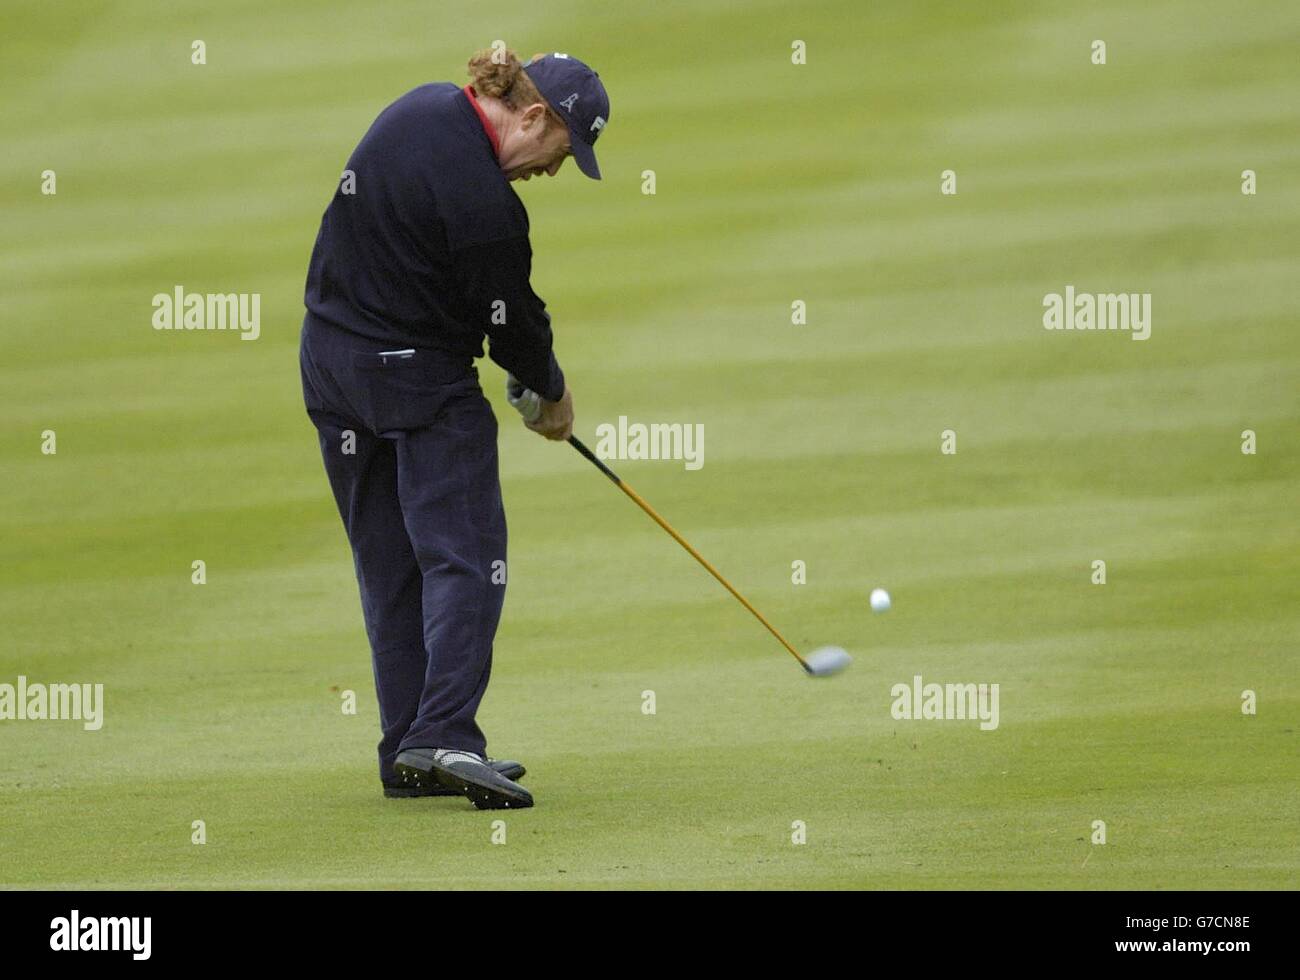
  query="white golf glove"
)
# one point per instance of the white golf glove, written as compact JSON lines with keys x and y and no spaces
{"x":525,"y":401}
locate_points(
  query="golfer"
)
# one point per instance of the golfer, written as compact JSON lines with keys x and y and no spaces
{"x":421,"y":253}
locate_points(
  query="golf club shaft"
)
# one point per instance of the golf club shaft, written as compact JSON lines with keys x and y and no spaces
{"x":577,"y":444}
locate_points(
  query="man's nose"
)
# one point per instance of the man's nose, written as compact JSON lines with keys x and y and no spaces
{"x":554,"y":168}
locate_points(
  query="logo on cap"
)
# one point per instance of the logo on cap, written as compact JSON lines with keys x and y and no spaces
{"x":568,"y":103}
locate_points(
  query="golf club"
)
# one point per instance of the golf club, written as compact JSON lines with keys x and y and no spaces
{"x":820,"y":663}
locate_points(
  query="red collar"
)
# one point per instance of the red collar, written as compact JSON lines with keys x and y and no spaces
{"x":487,"y":125}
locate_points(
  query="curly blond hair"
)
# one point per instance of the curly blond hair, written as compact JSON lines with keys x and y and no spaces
{"x":500,"y":74}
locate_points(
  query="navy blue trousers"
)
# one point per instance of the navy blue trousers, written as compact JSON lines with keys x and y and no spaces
{"x":410,"y":448}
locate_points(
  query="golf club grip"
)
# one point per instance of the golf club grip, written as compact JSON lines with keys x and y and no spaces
{"x":654,"y":515}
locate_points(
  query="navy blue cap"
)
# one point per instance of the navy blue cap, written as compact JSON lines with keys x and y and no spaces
{"x":577,"y":96}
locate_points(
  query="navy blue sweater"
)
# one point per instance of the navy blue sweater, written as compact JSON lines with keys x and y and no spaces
{"x":431,"y":240}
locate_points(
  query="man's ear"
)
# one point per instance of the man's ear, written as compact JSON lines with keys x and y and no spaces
{"x":533,"y":114}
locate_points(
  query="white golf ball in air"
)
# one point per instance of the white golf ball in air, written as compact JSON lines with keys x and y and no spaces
{"x":879,"y":600}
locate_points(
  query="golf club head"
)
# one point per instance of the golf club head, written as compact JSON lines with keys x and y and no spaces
{"x":825,"y":661}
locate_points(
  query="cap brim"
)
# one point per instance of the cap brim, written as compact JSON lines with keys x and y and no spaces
{"x":585,"y":154}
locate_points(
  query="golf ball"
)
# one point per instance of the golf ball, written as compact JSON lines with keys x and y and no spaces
{"x":879,"y":600}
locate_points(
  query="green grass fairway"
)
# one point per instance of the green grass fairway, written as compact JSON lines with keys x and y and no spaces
{"x":776,"y":182}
